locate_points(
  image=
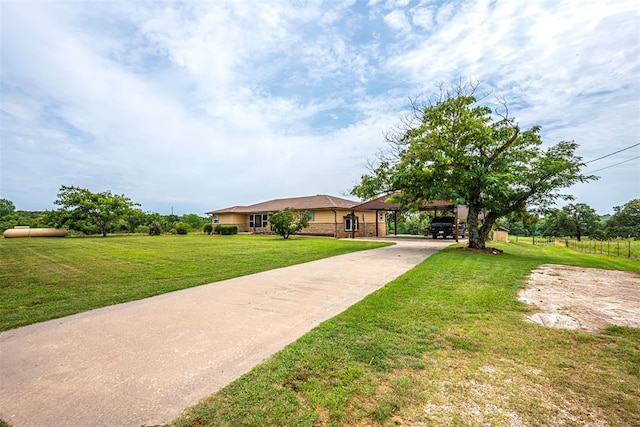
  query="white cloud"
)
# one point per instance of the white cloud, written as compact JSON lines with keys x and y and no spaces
{"x":423,"y":17}
{"x":207,"y":104}
{"x":397,"y":20}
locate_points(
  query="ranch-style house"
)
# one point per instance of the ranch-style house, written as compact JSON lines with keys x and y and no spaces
{"x":329,"y":216}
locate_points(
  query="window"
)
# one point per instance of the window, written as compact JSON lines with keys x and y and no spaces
{"x":350,"y":223}
{"x":310,"y":215}
{"x":258,"y":220}
{"x":216,"y":219}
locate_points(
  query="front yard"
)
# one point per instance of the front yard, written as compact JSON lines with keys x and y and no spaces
{"x":445,"y":344}
{"x":46,"y":278}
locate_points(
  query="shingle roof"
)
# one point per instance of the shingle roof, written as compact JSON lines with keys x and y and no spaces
{"x":320,"y":201}
{"x":381,"y":204}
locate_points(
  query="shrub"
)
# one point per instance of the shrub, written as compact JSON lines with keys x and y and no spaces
{"x":208,"y":228}
{"x":228,"y":229}
{"x":181,"y":228}
{"x":218,"y":229}
{"x":141,"y":229}
{"x":155,"y":229}
{"x":287,"y":222}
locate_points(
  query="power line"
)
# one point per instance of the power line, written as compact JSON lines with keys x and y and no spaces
{"x":628,"y":160}
{"x":611,"y":154}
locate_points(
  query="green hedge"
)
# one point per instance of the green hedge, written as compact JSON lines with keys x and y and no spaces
{"x":226,"y":229}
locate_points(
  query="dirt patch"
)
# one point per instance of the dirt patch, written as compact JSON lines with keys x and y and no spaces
{"x":590,"y":299}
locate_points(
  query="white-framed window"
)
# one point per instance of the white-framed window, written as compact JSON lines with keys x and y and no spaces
{"x":258,"y":220}
{"x":216,"y":219}
{"x":350,"y":223}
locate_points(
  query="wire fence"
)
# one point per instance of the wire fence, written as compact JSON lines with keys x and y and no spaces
{"x":534,"y":240}
{"x":628,"y":248}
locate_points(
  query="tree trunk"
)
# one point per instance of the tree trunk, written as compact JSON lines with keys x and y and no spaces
{"x":478,"y":235}
{"x":487,"y":225}
{"x":473,"y":229}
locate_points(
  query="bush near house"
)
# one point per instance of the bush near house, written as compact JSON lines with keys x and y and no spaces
{"x":225,"y":229}
{"x":207,"y":229}
{"x":228,"y":229}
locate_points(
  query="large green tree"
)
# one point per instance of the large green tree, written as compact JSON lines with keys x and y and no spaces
{"x":79,"y":205}
{"x":454,"y":148}
{"x":625,"y":221}
{"x":574,"y":220}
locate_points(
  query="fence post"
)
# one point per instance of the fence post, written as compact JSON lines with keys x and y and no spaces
{"x":618,"y":244}
{"x":629,"y":247}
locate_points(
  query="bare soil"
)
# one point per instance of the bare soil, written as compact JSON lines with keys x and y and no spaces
{"x":589,"y":299}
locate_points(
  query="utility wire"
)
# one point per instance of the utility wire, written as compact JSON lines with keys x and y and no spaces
{"x":615,"y":152}
{"x":628,"y":160}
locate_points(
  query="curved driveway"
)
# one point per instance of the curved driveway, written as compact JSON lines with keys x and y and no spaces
{"x":145,"y":361}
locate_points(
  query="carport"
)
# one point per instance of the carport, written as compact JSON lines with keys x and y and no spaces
{"x":381,"y":204}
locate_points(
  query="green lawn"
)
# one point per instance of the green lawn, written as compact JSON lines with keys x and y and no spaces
{"x":444,"y":344}
{"x":614,"y":247}
{"x":44,"y":278}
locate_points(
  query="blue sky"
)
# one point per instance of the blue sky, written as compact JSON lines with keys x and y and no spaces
{"x":195,"y":106}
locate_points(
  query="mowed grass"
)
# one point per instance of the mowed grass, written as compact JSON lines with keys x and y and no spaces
{"x":629,"y":248}
{"x":42,"y":279}
{"x":445,"y":344}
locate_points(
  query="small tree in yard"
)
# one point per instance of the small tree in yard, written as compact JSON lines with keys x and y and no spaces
{"x":453,"y":148}
{"x":287,"y":222}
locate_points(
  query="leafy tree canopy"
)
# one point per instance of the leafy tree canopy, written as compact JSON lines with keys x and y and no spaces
{"x":454,"y":148}
{"x":287,"y":222}
{"x":80,"y":205}
{"x":574,"y":220}
{"x":625,"y":221}
{"x":6,"y":208}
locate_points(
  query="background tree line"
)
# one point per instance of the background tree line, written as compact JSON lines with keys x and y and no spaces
{"x":88,"y":213}
{"x":574,"y":220}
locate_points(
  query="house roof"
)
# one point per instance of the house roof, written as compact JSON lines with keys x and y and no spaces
{"x":381,"y":204}
{"x":320,"y":201}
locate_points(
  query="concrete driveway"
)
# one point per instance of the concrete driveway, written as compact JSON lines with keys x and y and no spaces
{"x":143,"y":362}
